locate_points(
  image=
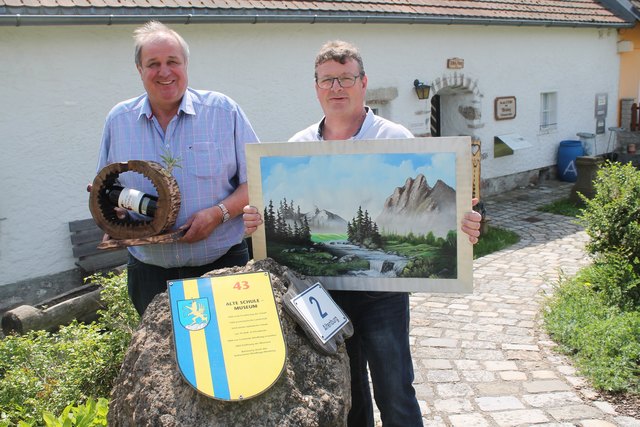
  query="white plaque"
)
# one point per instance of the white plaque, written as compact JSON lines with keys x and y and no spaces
{"x":320,"y":312}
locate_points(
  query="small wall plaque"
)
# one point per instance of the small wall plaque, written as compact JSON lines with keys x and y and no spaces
{"x":455,"y":63}
{"x":601,"y":105}
{"x":505,"y":108}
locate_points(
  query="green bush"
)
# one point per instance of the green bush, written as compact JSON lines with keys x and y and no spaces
{"x":91,"y":414}
{"x":603,"y":340}
{"x":612,"y":217}
{"x":613,"y":276}
{"x":612,"y":221}
{"x":595,"y":316}
{"x":42,"y":371}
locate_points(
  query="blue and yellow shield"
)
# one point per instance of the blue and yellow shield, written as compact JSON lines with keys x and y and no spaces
{"x":227,"y":334}
{"x":194,"y":314}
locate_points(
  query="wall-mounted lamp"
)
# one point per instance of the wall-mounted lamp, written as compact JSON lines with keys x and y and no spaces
{"x":422,"y":89}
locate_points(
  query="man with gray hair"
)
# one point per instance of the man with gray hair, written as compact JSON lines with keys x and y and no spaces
{"x":205,"y":133}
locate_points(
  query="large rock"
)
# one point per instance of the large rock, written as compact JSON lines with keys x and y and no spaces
{"x":313,"y":389}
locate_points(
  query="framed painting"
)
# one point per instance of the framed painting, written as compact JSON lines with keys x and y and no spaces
{"x":371,"y":215}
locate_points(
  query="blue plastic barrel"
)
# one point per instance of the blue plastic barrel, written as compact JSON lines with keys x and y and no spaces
{"x":567,"y":153}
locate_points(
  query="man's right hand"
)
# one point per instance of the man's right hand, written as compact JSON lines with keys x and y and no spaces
{"x":252,"y":219}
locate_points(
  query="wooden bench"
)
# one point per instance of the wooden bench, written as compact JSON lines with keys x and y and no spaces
{"x":85,"y":237}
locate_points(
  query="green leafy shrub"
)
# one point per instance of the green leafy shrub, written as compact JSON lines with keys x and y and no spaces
{"x":614,"y":276}
{"x":42,"y":371}
{"x":603,"y":340}
{"x":612,"y":217}
{"x":612,"y":221}
{"x":90,"y":414}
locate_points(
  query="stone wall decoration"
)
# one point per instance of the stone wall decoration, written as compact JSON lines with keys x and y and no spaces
{"x":366,"y":215}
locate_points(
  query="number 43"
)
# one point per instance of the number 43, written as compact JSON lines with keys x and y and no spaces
{"x":241,"y":285}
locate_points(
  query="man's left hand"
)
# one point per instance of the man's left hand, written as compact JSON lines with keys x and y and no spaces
{"x":471,"y":223}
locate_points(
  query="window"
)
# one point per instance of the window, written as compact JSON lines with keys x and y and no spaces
{"x":548,"y":111}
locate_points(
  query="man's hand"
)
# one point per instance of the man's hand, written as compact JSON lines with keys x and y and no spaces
{"x":252,"y":219}
{"x":201,"y":224}
{"x":120,"y":212}
{"x":471,"y":223}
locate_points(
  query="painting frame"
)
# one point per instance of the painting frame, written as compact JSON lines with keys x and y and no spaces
{"x":459,"y":150}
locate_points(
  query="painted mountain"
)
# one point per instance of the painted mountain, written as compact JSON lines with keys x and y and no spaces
{"x":416,"y":207}
{"x":323,"y":221}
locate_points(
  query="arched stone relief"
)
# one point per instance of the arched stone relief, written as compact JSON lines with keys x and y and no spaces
{"x":458,"y":83}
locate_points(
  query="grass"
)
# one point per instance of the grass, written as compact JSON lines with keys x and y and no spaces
{"x":495,"y":239}
{"x":562,"y":207}
{"x":603,"y":340}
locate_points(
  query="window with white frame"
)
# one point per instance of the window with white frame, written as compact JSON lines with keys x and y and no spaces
{"x":548,"y":111}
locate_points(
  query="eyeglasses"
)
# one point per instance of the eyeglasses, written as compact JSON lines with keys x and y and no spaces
{"x":345,"y":82}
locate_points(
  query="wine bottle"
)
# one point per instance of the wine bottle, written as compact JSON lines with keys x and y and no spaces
{"x":133,"y":200}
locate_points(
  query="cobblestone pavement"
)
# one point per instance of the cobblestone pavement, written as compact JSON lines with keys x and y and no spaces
{"x":482,"y":359}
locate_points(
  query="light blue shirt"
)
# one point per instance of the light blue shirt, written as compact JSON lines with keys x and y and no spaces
{"x":373,"y":127}
{"x":208,"y":136}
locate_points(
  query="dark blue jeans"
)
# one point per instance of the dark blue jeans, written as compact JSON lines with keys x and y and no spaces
{"x":145,"y":281}
{"x":381,"y":341}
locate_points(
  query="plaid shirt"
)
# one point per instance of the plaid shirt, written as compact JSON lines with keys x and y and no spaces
{"x":208,"y":136}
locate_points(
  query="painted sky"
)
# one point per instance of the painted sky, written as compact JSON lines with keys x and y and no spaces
{"x":341,"y":183}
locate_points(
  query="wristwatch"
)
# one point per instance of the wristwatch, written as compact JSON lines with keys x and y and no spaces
{"x":225,"y":212}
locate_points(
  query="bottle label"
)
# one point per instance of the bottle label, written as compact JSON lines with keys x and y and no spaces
{"x":145,"y":205}
{"x":130,"y":199}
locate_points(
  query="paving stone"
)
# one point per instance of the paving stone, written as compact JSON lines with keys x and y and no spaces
{"x":475,"y":354}
{"x":440,"y":342}
{"x":567,"y":370}
{"x":468,"y":420}
{"x":453,"y":406}
{"x":627,"y":422}
{"x":500,"y":365}
{"x":605,"y":407}
{"x":574,"y":412}
{"x":478,"y":376}
{"x":577,"y":382}
{"x":524,"y":347}
{"x":486,"y":345}
{"x":497,"y":389}
{"x":446,"y":390}
{"x":437,"y":364}
{"x":550,"y":400}
{"x":424,"y":408}
{"x":499,"y":403}
{"x":543,"y":386}
{"x":459,"y":335}
{"x":556,"y":425}
{"x":543,"y":375}
{"x":513,"y":375}
{"x":427,"y":332}
{"x":442,"y":376}
{"x":596,"y":423}
{"x":519,"y":417}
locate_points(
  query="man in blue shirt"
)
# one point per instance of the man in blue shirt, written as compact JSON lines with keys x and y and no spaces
{"x":205,"y":133}
{"x":380,"y":343}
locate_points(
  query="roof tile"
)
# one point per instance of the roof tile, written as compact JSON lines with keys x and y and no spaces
{"x":569,"y":11}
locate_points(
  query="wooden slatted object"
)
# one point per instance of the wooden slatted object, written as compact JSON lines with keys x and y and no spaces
{"x":85,"y":238}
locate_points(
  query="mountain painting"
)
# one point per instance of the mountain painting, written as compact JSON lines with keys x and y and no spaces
{"x":365,"y":215}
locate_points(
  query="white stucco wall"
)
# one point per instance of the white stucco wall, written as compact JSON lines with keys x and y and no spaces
{"x":60,"y":82}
